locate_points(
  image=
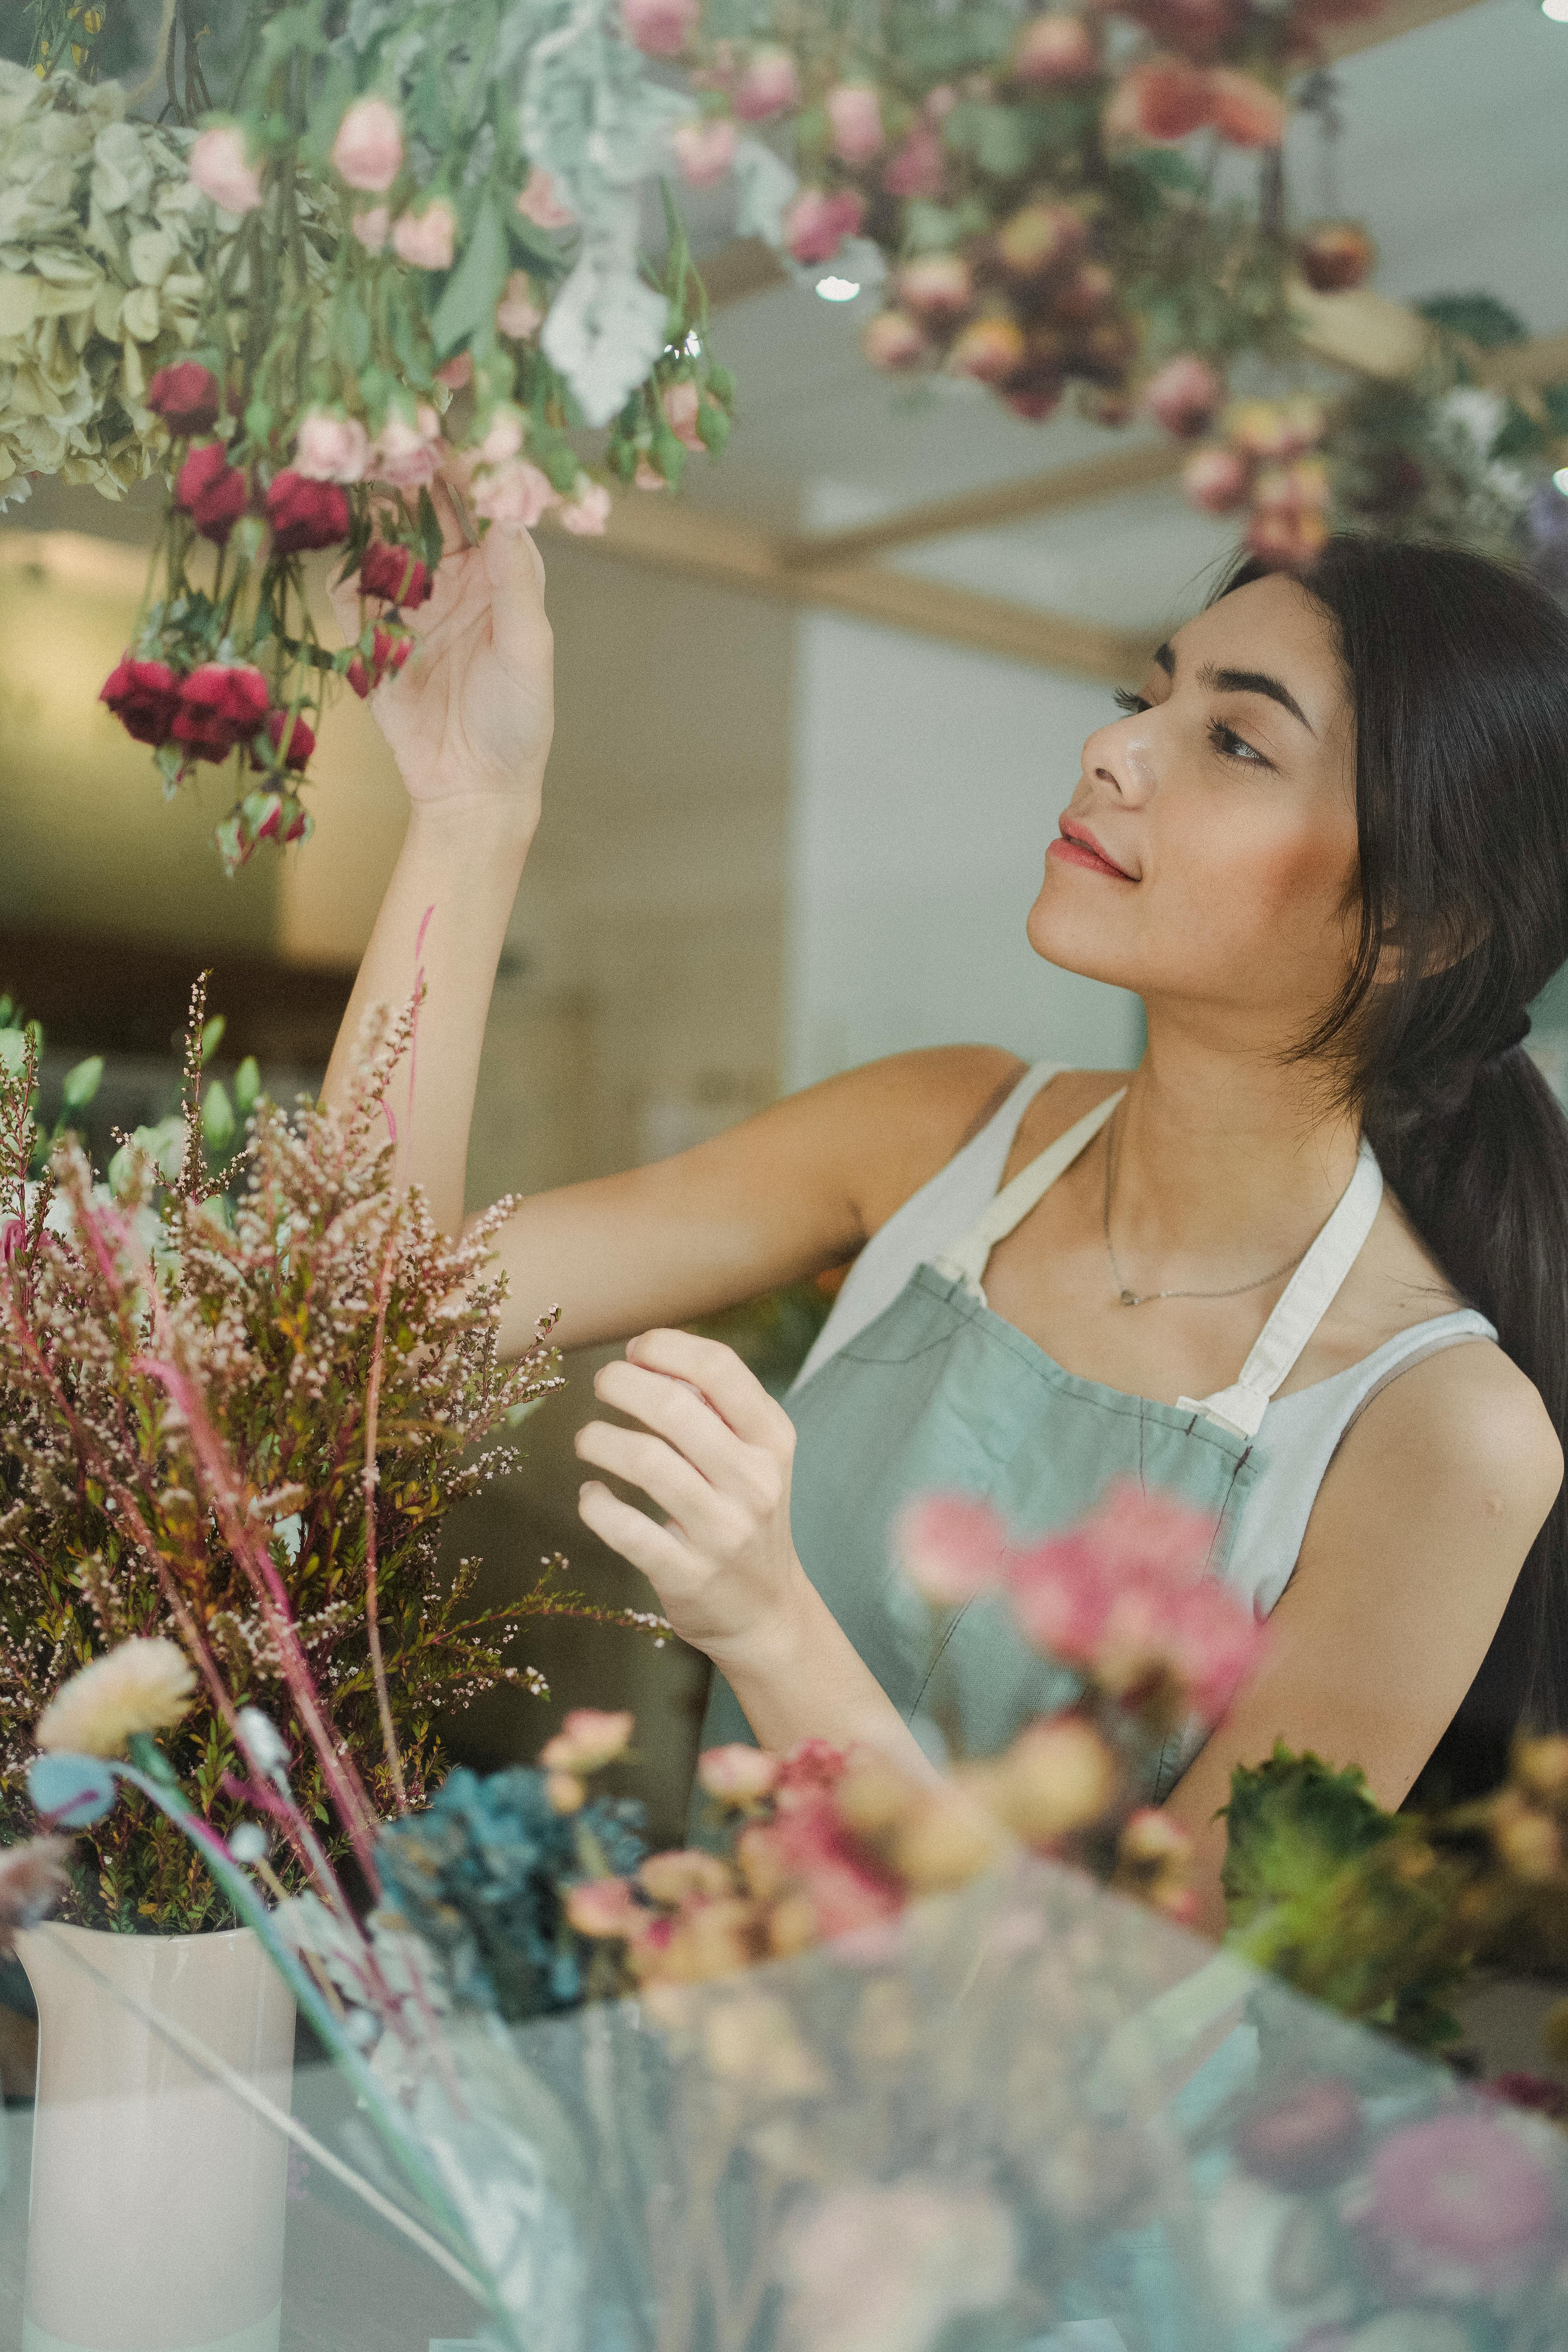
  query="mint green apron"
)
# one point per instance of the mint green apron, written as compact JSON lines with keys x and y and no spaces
{"x":938,"y":1392}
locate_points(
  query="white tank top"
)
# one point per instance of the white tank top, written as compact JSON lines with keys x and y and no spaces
{"x":1295,"y":1436}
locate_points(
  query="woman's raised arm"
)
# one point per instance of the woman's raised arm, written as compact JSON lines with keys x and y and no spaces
{"x":469,"y":721}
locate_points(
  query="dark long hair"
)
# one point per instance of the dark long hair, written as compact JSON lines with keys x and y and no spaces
{"x":1458,"y":675}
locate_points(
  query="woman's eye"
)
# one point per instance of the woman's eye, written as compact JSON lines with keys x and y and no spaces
{"x":1125,"y":700}
{"x":1226,"y":741}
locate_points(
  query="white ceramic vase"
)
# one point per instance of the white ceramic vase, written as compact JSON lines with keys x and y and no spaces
{"x":155,"y":2218}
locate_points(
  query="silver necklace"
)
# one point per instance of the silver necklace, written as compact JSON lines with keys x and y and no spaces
{"x":1126,"y":1298}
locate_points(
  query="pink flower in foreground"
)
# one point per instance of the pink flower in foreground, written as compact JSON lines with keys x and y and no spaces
{"x":769,"y":83}
{"x":426,"y":240}
{"x":458,"y":372}
{"x":807,"y":1848}
{"x":951,"y":1548}
{"x":660,"y":29}
{"x":682,"y":402}
{"x":815,"y":1765}
{"x":886,"y":2268}
{"x":603,"y":1906}
{"x":737,"y":1775}
{"x":330,"y":448}
{"x":855,"y":122}
{"x":221,"y":168}
{"x":686,"y":1876}
{"x":540,"y":204}
{"x":518,"y":314}
{"x":705,"y":150}
{"x":816,"y":223}
{"x":1463,"y":2204}
{"x":587,"y":513}
{"x":13,"y":1238}
{"x":367,"y":152}
{"x":372,"y":227}
{"x":587,"y":1739}
{"x":515,"y":496}
{"x":32,"y":1878}
{"x":503,"y":436}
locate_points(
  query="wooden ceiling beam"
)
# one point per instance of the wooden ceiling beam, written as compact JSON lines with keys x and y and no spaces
{"x":681,"y":540}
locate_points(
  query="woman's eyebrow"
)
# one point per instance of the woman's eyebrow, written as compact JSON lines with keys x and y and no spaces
{"x":1253,"y":682}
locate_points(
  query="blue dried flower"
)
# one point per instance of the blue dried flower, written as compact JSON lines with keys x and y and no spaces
{"x":480,"y":1874}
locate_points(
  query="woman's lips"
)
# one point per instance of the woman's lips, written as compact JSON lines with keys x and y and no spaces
{"x":1077,"y":849}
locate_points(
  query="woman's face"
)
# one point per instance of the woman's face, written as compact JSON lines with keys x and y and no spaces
{"x":1223,"y":805}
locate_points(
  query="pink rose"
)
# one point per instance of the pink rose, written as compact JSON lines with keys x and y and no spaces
{"x":951,"y":1548}
{"x":503,"y":437}
{"x":769,"y":85}
{"x":1462,"y":2203}
{"x":855,"y":122}
{"x":368,"y":150}
{"x":457,"y":372}
{"x":682,"y":402}
{"x":12,"y":1239}
{"x":892,"y":341}
{"x":648,"y":476}
{"x":603,"y":1906}
{"x":517,"y":313}
{"x":1216,"y":479}
{"x":373,"y":228}
{"x":540,"y":204}
{"x":937,"y":286}
{"x":590,"y":1737}
{"x":330,"y":448}
{"x":394,"y":574}
{"x":426,"y":240}
{"x":1161,"y":101}
{"x":1243,"y":110}
{"x":515,"y":496}
{"x":705,"y":150}
{"x":586,"y":512}
{"x":220,"y":167}
{"x":408,"y":455}
{"x":660,"y":29}
{"x":737,"y":1775}
{"x":220,"y":704}
{"x":816,"y":223}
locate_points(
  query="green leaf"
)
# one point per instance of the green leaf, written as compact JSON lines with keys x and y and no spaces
{"x":13,"y":1050}
{"x":1480,"y":318}
{"x":468,"y":298}
{"x":928,"y":227}
{"x":212,"y":1037}
{"x":218,"y":1120}
{"x":713,"y":428}
{"x":431,"y":540}
{"x":82,"y":1083}
{"x":1292,"y":1824}
{"x":247,"y":1086}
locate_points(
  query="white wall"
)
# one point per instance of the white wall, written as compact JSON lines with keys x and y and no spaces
{"x":927,"y":783}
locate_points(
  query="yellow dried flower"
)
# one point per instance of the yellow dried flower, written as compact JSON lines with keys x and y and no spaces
{"x":144,"y":1686}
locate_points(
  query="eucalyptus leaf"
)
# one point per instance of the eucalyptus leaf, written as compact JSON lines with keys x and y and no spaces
{"x":605,"y":328}
{"x":468,"y":298}
{"x":71,"y":1792}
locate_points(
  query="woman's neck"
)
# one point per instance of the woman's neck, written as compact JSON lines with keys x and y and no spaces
{"x":1219,"y":1154}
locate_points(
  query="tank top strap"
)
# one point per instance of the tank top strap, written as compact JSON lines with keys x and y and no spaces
{"x":1302,"y":1305}
{"x":965,"y":1260}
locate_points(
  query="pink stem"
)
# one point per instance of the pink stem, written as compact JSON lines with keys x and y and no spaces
{"x":372,"y":1479}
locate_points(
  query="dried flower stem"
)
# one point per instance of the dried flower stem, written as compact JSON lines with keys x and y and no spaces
{"x":371,"y":1478}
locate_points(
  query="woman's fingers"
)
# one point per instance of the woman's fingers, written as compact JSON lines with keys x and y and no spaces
{"x":710,"y":1519}
{"x":674,"y":1410}
{"x":734,"y":1390}
{"x":656,"y":1551}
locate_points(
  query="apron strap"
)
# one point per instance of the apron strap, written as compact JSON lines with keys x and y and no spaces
{"x":965,"y":1260}
{"x":1302,"y":1305}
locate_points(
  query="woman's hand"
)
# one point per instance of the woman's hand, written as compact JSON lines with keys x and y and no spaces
{"x":469,"y":716}
{"x":714,"y":1455}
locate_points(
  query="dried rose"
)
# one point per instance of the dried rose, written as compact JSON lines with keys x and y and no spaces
{"x":769,"y":83}
{"x":516,"y":495}
{"x":393,"y":573}
{"x":854,"y":111}
{"x":1216,"y":479}
{"x":1243,"y":110}
{"x":187,"y":396}
{"x":1059,"y":47}
{"x":539,"y":203}
{"x":372,"y":227}
{"x":816,"y":223}
{"x":893,"y":341}
{"x":918,"y":166}
{"x":588,"y":1738}
{"x":388,"y":654}
{"x":426,"y":239}
{"x":682,"y":402}
{"x":1184,"y":396}
{"x":737,"y":1775}
{"x":221,"y":703}
{"x":213,"y":493}
{"x":587,"y":513}
{"x":1039,"y":238}
{"x":705,"y":150}
{"x":936,"y":287}
{"x":367,"y":152}
{"x":1161,"y":101}
{"x":518,"y":314}
{"x":989,"y":349}
{"x":221,"y":168}
{"x":301,"y":740}
{"x":660,"y":29}
{"x":304,"y":513}
{"x":1334,"y":255}
{"x":143,"y":697}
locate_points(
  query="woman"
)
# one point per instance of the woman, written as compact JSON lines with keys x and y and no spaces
{"x":1327,"y":844}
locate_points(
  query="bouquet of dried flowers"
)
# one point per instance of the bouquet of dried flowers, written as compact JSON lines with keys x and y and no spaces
{"x":237,"y":1417}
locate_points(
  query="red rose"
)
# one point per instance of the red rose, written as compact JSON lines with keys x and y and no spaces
{"x":301,"y":740}
{"x":305,"y":514}
{"x":395,"y":572}
{"x":220,"y":704}
{"x":213,"y":493}
{"x":144,"y":697}
{"x":388,"y":654}
{"x":186,"y":396}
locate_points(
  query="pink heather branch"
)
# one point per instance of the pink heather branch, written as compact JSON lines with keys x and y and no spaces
{"x":372,"y":1479}
{"x":418,"y":1000}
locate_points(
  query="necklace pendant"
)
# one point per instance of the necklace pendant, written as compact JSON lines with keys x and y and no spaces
{"x":1129,"y":1299}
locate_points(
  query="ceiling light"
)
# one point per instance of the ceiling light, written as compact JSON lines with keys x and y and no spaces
{"x":1560,"y":480}
{"x":844,"y":289}
{"x":1557,"y":9}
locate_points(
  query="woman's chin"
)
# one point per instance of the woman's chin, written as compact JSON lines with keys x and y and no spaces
{"x":1074,"y":940}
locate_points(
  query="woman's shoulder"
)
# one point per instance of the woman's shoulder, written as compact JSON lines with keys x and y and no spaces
{"x":903,"y":1119}
{"x":1467,"y":1423}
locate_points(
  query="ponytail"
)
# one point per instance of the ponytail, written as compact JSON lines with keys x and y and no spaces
{"x":1458,"y":674}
